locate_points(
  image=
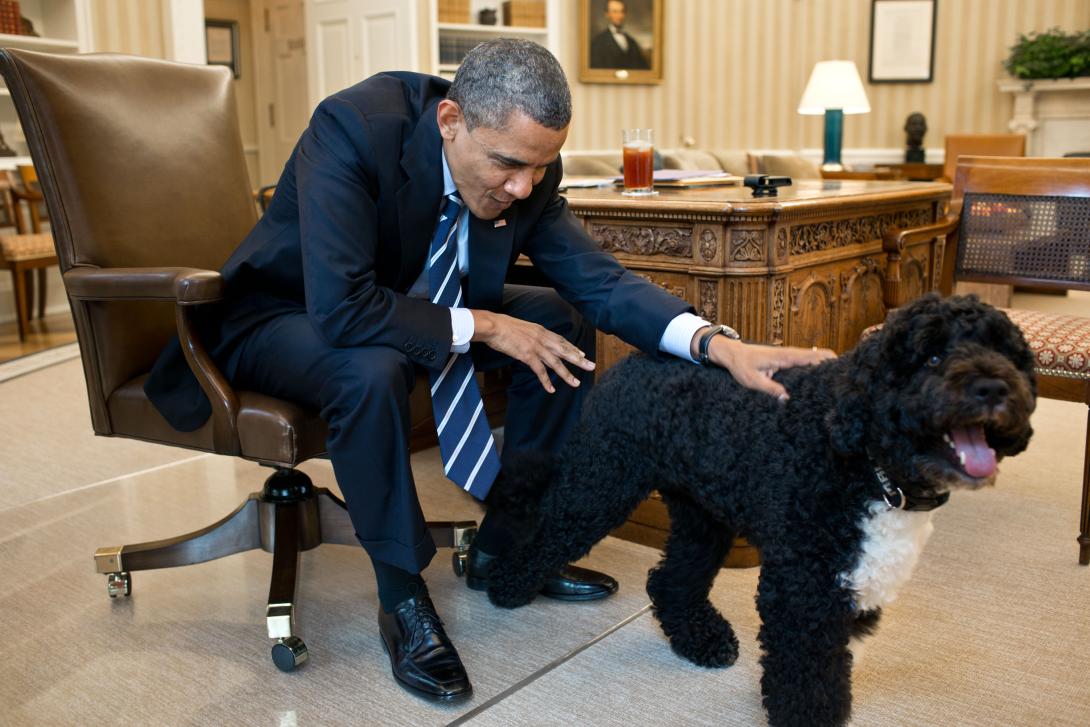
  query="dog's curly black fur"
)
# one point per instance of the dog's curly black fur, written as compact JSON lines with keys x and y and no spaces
{"x":795,"y":478}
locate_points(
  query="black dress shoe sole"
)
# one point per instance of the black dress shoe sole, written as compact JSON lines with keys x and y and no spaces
{"x":418,"y":692}
{"x":592,"y":596}
{"x":481,"y":584}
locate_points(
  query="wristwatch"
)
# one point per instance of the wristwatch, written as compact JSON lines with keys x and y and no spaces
{"x":706,"y":339}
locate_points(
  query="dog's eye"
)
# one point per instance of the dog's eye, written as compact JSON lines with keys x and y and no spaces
{"x":934,"y":361}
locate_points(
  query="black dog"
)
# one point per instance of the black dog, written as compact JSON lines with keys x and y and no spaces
{"x":834,"y":487}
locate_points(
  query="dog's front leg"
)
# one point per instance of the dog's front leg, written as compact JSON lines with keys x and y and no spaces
{"x":807,"y":621}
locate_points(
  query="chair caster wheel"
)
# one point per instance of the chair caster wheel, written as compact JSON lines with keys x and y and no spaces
{"x":118,"y":584}
{"x":458,"y":561}
{"x":288,"y":653}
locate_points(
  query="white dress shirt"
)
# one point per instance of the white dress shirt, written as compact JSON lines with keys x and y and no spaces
{"x":676,"y":339}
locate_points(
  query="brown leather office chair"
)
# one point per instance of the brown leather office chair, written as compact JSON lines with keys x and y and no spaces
{"x":1023,"y":221}
{"x":142,"y":169}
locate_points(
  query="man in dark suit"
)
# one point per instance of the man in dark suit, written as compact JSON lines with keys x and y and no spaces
{"x":614,"y":48}
{"x":402,"y":187}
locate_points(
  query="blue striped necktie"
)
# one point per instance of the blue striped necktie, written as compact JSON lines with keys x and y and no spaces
{"x":465,"y":439}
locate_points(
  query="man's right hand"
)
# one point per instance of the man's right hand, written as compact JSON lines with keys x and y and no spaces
{"x":532,"y":344}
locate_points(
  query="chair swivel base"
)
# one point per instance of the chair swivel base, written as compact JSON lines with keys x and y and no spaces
{"x":287,"y":517}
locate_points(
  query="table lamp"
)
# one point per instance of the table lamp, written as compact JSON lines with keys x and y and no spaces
{"x":834,"y":89}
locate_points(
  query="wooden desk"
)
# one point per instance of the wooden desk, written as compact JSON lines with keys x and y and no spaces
{"x":805,"y":268}
{"x":914,"y":171}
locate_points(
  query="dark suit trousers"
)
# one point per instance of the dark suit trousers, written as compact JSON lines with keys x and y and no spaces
{"x":363,"y":393}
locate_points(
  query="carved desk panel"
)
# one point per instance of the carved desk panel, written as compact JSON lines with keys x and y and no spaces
{"x":805,"y":268}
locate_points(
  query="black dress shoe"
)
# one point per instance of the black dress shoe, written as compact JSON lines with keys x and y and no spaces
{"x":570,"y":583}
{"x":421,"y":656}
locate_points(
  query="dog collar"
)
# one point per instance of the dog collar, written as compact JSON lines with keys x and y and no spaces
{"x":898,"y":500}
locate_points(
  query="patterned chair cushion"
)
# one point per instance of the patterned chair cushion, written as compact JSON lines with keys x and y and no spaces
{"x":1060,"y":343}
{"x":27,"y":247}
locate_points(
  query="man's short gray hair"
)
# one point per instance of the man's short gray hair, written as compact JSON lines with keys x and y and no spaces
{"x":507,"y":74}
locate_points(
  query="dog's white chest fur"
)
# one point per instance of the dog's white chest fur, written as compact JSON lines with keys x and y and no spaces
{"x":891,"y":545}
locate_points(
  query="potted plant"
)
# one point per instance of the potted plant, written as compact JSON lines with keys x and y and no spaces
{"x":1051,"y":54}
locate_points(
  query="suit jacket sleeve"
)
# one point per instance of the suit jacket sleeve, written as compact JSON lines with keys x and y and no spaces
{"x":612,"y":298}
{"x":340,"y":239}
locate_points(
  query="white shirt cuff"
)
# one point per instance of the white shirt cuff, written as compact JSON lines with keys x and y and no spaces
{"x":677,"y":339}
{"x":461,"y":322}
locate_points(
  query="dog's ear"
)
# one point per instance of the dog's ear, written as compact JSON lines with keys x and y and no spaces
{"x":849,"y":420}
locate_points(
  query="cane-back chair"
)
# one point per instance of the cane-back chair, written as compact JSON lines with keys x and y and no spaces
{"x":1021,"y":221}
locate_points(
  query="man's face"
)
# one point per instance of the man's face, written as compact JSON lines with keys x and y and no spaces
{"x":615,"y":12}
{"x":494,"y":167}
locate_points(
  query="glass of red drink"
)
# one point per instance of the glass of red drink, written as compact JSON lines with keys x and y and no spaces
{"x":638,"y":148}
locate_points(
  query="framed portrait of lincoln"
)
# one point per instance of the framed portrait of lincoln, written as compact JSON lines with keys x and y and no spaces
{"x":620,"y":41}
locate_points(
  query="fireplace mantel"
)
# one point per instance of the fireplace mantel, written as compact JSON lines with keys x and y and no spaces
{"x":1053,"y":114}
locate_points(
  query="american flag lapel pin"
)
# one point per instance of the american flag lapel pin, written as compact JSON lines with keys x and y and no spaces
{"x":499,"y":223}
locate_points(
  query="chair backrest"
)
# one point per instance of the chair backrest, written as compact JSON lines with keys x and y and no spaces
{"x":28,"y":175}
{"x":1024,"y":221}
{"x":141,"y":165}
{"x":999,"y":145}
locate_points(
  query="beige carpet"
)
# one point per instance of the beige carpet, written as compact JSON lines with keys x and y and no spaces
{"x":993,"y":630}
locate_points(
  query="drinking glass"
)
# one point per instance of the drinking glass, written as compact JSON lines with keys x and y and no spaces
{"x":638,"y":147}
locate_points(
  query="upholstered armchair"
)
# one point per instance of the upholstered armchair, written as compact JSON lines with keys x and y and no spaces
{"x":142,"y":169}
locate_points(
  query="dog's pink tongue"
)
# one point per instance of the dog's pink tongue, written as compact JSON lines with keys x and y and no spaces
{"x":972,"y":447}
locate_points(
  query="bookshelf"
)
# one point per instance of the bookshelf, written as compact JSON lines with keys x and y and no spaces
{"x":454,"y":28}
{"x":63,"y":26}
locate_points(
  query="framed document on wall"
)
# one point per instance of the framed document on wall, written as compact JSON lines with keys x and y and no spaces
{"x":620,"y":41}
{"x":221,"y":44}
{"x":902,"y":41}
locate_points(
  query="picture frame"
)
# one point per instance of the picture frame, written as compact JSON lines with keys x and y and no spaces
{"x":630,"y":54}
{"x":221,"y":44}
{"x":902,"y":41}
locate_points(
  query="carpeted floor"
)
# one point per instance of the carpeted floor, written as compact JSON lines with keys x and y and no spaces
{"x":992,"y":630}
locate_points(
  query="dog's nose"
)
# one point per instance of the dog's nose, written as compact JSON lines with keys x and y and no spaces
{"x":990,"y":391}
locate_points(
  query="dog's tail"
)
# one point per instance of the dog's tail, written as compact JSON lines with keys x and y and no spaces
{"x":523,"y":480}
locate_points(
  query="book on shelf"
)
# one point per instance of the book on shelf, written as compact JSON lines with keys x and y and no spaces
{"x":10,"y":21}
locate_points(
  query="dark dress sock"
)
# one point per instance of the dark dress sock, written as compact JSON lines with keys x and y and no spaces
{"x":396,"y":585}
{"x":495,"y":535}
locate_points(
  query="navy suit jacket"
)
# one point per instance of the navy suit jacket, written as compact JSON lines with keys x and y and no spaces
{"x":347,"y":234}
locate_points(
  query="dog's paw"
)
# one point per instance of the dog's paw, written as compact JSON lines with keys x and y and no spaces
{"x":506,"y":598}
{"x":510,"y":581}
{"x":702,"y":636}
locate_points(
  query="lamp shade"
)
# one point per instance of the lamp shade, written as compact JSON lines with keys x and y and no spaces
{"x":834,"y":85}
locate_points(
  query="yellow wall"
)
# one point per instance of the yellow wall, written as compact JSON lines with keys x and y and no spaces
{"x":128,"y":26}
{"x":717,"y":92}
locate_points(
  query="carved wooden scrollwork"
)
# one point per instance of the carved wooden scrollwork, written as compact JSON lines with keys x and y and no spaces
{"x":779,"y":309}
{"x":814,"y":311}
{"x":781,"y":244}
{"x":676,"y":290}
{"x":644,"y":240}
{"x":709,"y":244}
{"x":709,"y":300}
{"x":839,"y":233}
{"x":866,"y":266}
{"x":747,"y":246}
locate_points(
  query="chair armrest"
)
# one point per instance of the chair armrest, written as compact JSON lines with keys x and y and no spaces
{"x":894,"y":242}
{"x":896,"y":239}
{"x":188,"y":288}
{"x":185,"y":286}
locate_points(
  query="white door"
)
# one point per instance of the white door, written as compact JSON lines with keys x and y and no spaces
{"x":350,"y":40}
{"x":283,"y":106}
